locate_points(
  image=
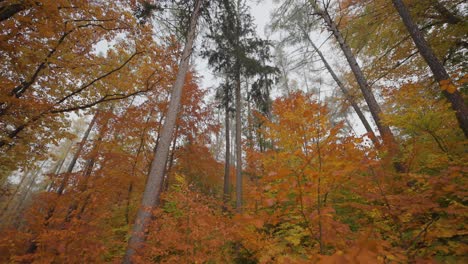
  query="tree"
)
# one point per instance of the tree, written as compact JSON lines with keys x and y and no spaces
{"x":312,"y":191}
{"x":440,"y":74}
{"x":156,"y":174}
{"x":238,"y":52}
{"x":297,"y":24}
{"x":374,"y":107}
{"x":52,"y":69}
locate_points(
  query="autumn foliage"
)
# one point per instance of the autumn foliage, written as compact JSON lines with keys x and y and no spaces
{"x":79,"y":126}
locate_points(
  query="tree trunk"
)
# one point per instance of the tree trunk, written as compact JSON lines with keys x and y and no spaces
{"x":346,"y":93}
{"x":238,"y":145}
{"x":358,"y":74}
{"x":26,"y":193}
{"x":58,"y":168}
{"x":13,"y":195}
{"x":227,"y":161}
{"x":135,"y":163}
{"x":387,"y":136}
{"x":437,"y":68}
{"x":156,"y":175}
{"x":88,"y":169}
{"x":72,"y":164}
{"x":170,"y":161}
{"x":238,"y":121}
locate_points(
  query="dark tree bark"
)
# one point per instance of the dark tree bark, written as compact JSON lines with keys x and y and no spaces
{"x":156,"y":175}
{"x":436,"y":66}
{"x":8,"y":11}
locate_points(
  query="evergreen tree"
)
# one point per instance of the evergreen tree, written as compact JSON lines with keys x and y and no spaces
{"x":233,"y":49}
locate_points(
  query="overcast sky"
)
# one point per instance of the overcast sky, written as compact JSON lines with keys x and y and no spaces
{"x":261,"y":13}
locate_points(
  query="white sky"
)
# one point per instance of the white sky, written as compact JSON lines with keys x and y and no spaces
{"x":261,"y":12}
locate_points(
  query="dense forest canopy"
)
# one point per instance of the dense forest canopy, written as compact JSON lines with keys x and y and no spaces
{"x":338,"y":136}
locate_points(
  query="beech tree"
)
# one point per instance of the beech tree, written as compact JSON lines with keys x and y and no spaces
{"x":156,"y":174}
{"x":52,"y":69}
{"x":110,"y":143}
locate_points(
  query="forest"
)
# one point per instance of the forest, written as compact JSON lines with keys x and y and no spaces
{"x":181,"y":131}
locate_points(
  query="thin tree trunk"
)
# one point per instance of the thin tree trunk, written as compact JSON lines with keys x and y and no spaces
{"x":72,"y":164}
{"x":13,"y":195}
{"x":227,"y":161}
{"x":238,"y":146}
{"x":238,"y":122}
{"x":346,"y":93}
{"x":88,"y":169}
{"x":436,"y":66}
{"x":58,"y":168}
{"x":358,"y":74}
{"x":156,"y":175}
{"x":374,"y":108}
{"x":233,"y":141}
{"x":33,"y":246}
{"x":135,"y":163}
{"x":249,"y":124}
{"x":28,"y":189}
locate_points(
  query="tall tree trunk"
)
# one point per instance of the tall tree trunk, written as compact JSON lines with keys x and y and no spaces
{"x":238,"y":145}
{"x":72,"y":164}
{"x":227,"y":161}
{"x":156,"y":175}
{"x":436,"y":66}
{"x":170,"y":161}
{"x":88,"y":169}
{"x":233,"y":140}
{"x":26,"y":192}
{"x":346,"y":93}
{"x":58,"y":168}
{"x":135,"y":163}
{"x":238,"y":121}
{"x":374,"y":108}
{"x":13,"y":195}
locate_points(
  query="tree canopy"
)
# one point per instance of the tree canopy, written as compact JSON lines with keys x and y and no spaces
{"x":338,"y":136}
